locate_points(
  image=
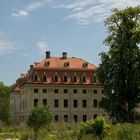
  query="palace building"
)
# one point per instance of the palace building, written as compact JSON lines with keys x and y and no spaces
{"x":67,"y":85}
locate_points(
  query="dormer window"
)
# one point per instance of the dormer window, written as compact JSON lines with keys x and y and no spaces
{"x":65,"y":78}
{"x":47,"y":63}
{"x":85,"y":65}
{"x":66,"y":64}
{"x":44,"y":78}
{"x":35,"y":77}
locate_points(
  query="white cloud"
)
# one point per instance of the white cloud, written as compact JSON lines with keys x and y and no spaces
{"x":86,"y":12}
{"x":42,"y":46}
{"x":30,"y":7}
{"x":6,"y":46}
{"x":20,"y":14}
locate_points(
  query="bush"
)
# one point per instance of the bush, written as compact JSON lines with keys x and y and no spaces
{"x":98,"y":128}
{"x":40,"y":117}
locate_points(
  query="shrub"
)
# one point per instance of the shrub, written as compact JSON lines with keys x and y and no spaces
{"x":40,"y":117}
{"x":97,"y":128}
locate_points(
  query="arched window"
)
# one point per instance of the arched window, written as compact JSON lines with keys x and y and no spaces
{"x":56,"y":78}
{"x":35,"y":102}
{"x":83,"y":79}
{"x":35,"y":77}
{"x":65,"y":78}
{"x":44,"y":78}
{"x":74,"y":78}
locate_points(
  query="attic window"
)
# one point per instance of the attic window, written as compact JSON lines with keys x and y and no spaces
{"x":85,"y":65}
{"x":47,"y":63}
{"x":66,"y":64}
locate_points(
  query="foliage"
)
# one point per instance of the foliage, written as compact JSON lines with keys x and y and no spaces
{"x":40,"y":117}
{"x":97,"y":128}
{"x":5,"y":115}
{"x":125,"y":133}
{"x":117,"y":132}
{"x":119,"y":70}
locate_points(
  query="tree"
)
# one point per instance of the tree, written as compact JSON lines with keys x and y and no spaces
{"x":5,"y":115}
{"x":119,"y":70}
{"x":40,"y":117}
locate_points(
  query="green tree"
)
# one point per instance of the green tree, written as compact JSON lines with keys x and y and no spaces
{"x":5,"y":115}
{"x":40,"y":117}
{"x":119,"y":70}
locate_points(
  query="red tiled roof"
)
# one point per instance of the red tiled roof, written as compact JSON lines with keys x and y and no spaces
{"x":59,"y":63}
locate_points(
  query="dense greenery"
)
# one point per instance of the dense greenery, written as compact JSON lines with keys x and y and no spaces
{"x":4,"y":104}
{"x":40,"y":117}
{"x":96,"y":128}
{"x":70,"y":132}
{"x":120,"y":66}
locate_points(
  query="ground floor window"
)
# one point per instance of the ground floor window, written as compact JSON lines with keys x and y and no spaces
{"x":95,"y":115}
{"x":35,"y":102}
{"x":84,"y":118}
{"x":75,"y":117}
{"x":56,"y":118}
{"x":65,"y":118}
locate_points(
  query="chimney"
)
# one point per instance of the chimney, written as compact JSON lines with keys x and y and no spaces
{"x":64,"y":55}
{"x":31,"y":66}
{"x":47,"y":54}
{"x":22,"y":75}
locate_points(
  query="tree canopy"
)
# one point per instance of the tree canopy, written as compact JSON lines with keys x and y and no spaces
{"x":40,"y":117}
{"x":119,"y":70}
{"x":4,"y":104}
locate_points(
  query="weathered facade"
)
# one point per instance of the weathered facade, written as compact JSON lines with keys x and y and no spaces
{"x":68,"y":86}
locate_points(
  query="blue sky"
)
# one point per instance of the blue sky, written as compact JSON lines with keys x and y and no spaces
{"x":30,"y":27}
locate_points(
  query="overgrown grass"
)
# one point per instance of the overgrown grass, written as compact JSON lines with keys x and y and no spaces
{"x":62,"y":131}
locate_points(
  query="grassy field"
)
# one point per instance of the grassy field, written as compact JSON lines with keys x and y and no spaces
{"x":69,"y":132}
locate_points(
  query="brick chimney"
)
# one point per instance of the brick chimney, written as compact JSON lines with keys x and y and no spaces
{"x":64,"y":55}
{"x":47,"y":54}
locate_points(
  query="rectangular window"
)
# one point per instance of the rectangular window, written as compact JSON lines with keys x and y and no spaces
{"x":75,"y":91}
{"x":75,"y":117}
{"x":56,"y":91}
{"x":35,"y":90}
{"x":103,"y":91}
{"x":95,"y":103}
{"x":95,"y":91}
{"x":65,"y":118}
{"x":75,"y":104}
{"x":44,"y":90}
{"x":65,"y":103}
{"x":35,"y":102}
{"x":84,"y":118}
{"x":84,"y":91}
{"x":45,"y":102}
{"x":56,"y":103}
{"x":95,"y":115}
{"x":56,"y":118}
{"x":84,"y":103}
{"x":65,"y":91}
